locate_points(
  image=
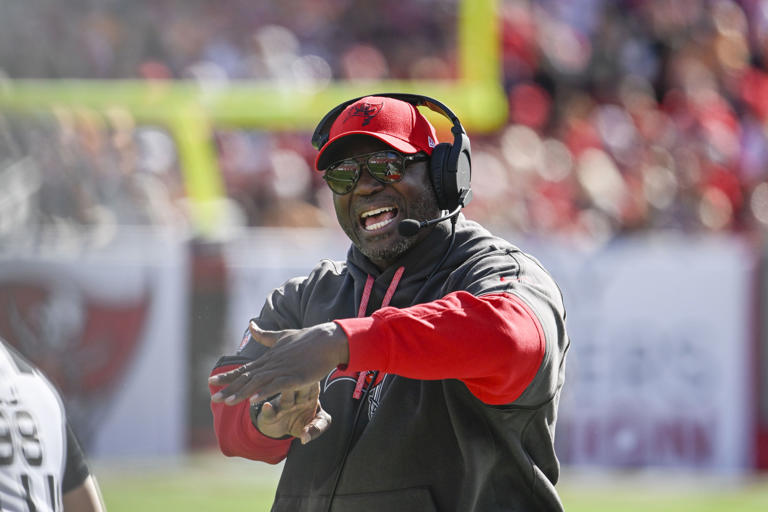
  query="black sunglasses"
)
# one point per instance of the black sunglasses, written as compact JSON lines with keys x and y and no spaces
{"x":385,"y":166}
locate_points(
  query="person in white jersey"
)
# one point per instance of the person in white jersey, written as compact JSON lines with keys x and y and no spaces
{"x":42,"y":467}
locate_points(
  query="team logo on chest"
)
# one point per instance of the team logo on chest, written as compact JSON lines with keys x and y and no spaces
{"x":337,"y":375}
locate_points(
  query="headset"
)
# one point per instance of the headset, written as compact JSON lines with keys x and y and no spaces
{"x":450,"y":164}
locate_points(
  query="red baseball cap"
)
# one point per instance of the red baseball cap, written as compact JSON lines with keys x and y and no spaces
{"x":395,"y":122}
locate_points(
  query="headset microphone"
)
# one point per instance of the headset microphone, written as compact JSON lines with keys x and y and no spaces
{"x":409,"y":227}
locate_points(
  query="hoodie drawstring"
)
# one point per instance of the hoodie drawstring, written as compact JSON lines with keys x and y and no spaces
{"x":363,"y":376}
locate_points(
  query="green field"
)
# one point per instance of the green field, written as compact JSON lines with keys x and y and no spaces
{"x":213,"y":483}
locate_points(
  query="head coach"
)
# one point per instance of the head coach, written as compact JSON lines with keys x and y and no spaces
{"x":431,"y":360}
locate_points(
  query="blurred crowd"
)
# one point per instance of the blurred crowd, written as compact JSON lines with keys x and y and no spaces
{"x":635,"y":115}
{"x":624,"y":115}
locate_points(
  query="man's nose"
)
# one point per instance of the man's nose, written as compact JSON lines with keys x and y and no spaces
{"x":367,"y":184}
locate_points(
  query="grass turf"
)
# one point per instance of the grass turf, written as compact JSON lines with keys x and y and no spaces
{"x":210,"y":482}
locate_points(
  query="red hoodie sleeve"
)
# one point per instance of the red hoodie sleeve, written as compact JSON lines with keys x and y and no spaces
{"x":236,"y":434}
{"x":493,"y":343}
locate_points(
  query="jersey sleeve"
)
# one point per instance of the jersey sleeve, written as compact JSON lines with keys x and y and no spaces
{"x":76,"y":469}
{"x":493,"y":343}
{"x":236,"y":433}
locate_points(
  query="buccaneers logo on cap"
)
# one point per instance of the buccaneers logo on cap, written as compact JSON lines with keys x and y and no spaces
{"x":365,"y":110}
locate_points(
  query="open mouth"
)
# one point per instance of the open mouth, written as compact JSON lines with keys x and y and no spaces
{"x":378,"y":218}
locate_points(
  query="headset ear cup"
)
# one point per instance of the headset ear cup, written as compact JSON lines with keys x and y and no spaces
{"x":463,"y":171}
{"x":437,"y":164}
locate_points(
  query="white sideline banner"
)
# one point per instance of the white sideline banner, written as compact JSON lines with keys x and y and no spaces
{"x":659,"y":371}
{"x":107,"y":326}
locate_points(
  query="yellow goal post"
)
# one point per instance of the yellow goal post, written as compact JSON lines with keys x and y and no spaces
{"x":191,"y":111}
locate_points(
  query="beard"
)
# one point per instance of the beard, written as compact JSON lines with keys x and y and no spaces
{"x":425,"y":208}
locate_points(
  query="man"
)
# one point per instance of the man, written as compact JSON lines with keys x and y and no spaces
{"x":431,"y":362}
{"x":41,"y":465}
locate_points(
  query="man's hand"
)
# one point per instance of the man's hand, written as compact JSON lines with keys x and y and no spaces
{"x":298,"y":358}
{"x":297,"y":413}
